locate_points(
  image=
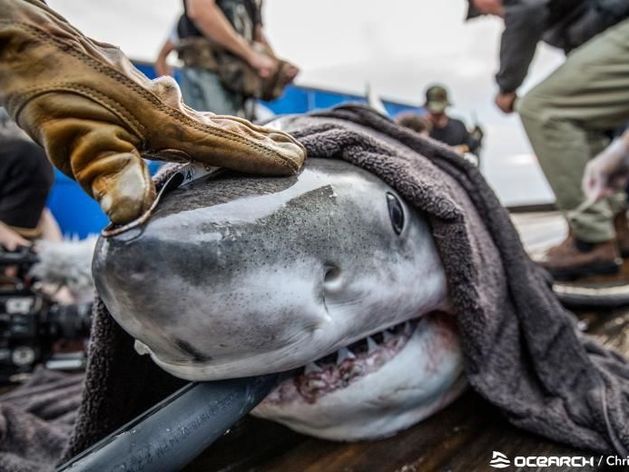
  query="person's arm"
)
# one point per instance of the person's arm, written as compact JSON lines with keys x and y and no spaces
{"x":260,"y":37}
{"x":290,"y":71}
{"x":161,"y":63}
{"x":524,"y":27}
{"x":49,"y":227}
{"x":211,"y":21}
{"x":101,"y":147}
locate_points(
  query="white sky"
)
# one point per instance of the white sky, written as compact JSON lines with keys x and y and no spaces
{"x":397,"y":46}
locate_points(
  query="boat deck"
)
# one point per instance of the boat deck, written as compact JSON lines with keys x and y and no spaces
{"x":459,"y":438}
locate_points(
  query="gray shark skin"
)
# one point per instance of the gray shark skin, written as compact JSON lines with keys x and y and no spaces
{"x":328,"y":271}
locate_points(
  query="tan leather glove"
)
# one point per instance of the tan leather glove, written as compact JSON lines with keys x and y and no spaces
{"x":96,"y":115}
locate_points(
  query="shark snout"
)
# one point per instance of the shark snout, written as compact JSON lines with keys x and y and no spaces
{"x":210,"y":303}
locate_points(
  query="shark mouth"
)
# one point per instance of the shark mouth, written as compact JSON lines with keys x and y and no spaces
{"x":352,"y":363}
{"x":375,"y":387}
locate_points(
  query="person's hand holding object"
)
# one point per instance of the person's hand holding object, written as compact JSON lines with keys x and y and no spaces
{"x":505,"y":101}
{"x":609,"y":171}
{"x":97,"y":116}
{"x":263,"y":64}
{"x":10,"y":240}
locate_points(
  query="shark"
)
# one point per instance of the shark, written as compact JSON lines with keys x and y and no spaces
{"x":328,"y":275}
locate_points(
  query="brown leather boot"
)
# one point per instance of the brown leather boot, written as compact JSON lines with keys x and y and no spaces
{"x":97,"y":116}
{"x":621,"y":225}
{"x":573,"y":259}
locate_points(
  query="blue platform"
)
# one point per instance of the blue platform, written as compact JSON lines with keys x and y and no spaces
{"x":79,"y":215}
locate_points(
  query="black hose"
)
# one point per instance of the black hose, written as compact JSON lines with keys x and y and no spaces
{"x":176,"y":430}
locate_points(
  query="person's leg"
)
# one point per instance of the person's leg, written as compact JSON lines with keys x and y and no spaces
{"x":191,"y":90}
{"x":203,"y":91}
{"x":565,"y":117}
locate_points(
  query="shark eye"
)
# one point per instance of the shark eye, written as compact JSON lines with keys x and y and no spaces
{"x":396,"y":213}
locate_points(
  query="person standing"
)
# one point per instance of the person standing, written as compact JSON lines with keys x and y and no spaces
{"x":446,"y":129}
{"x":210,"y":30}
{"x":568,"y":116}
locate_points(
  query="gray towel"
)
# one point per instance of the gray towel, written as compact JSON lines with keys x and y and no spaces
{"x":36,"y":420}
{"x":522,"y":349}
{"x":523,"y":352}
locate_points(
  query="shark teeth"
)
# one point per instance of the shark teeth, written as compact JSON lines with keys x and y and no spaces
{"x":371,"y":345}
{"x":316,"y":384}
{"x":339,"y":369}
{"x":343,"y":354}
{"x":312,"y":368}
{"x":354,"y":371}
{"x":382,"y":340}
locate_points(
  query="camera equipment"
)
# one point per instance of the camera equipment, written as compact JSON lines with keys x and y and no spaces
{"x":34,"y":329}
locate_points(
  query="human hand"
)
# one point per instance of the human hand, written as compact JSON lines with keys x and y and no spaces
{"x":608,"y":172}
{"x":292,"y":71}
{"x":10,"y":240}
{"x":506,"y":101}
{"x":99,"y":116}
{"x":263,"y":64}
{"x":163,"y":68}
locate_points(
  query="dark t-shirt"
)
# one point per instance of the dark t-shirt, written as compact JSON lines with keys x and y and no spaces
{"x":25,"y":179}
{"x":454,"y":134}
{"x":244,"y":16}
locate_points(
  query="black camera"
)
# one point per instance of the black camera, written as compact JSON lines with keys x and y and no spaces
{"x":34,"y":329}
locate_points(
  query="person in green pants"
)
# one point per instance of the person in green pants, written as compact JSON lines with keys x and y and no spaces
{"x":568,"y":117}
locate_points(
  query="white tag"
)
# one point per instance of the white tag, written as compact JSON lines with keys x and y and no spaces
{"x":195,"y":171}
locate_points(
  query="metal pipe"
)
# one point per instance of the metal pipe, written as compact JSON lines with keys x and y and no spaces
{"x":176,"y":430}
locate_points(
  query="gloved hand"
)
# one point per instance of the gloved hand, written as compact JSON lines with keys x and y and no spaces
{"x":97,"y":116}
{"x":609,"y":171}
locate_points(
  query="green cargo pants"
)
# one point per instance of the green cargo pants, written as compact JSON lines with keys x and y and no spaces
{"x":566,"y":118}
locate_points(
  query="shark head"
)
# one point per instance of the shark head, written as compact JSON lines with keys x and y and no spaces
{"x":329,"y":272}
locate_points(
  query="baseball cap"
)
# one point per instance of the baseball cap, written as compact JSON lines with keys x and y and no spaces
{"x":437,"y":99}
